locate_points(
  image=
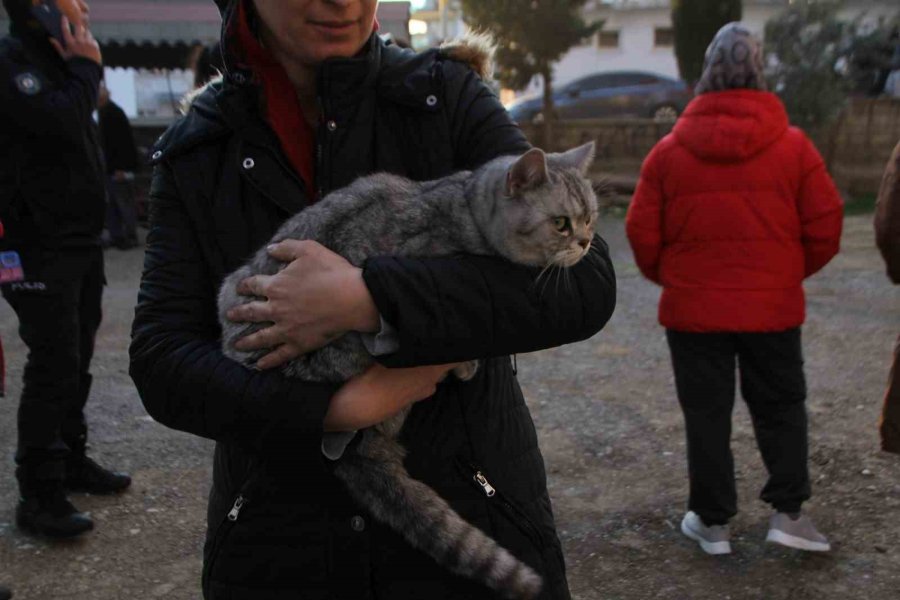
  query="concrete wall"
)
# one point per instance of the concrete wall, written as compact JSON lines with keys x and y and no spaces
{"x":622,"y":144}
{"x":856,"y":148}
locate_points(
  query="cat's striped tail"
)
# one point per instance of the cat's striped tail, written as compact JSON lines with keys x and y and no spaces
{"x":375,"y":476}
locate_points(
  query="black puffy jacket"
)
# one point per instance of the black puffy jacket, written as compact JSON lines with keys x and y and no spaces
{"x":279,"y":524}
{"x":52,"y":182}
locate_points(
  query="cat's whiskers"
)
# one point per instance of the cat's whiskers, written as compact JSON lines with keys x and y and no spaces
{"x":559,"y":276}
{"x":548,"y":267}
{"x":549,"y":271}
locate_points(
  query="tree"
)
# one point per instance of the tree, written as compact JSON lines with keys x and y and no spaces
{"x":805,"y":46}
{"x":873,"y":57}
{"x":531,"y":35}
{"x":695,"y":23}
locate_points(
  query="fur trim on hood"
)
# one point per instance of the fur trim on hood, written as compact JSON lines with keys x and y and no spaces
{"x":476,"y":49}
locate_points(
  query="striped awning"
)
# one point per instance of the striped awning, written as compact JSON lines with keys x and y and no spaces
{"x":172,"y":22}
{"x":155,"y":21}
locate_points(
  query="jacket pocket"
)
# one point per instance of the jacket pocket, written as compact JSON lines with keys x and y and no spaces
{"x":503,"y":503}
{"x":220,"y":536}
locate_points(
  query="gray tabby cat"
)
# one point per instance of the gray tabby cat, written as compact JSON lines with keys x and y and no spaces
{"x":536,"y":210}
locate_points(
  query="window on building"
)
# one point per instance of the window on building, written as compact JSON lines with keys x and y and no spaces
{"x":663,"y":37}
{"x":608,"y":39}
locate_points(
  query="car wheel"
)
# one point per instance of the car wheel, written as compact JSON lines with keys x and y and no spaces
{"x":665,"y":114}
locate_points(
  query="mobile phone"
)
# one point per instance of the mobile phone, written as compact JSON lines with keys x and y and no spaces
{"x":48,"y":15}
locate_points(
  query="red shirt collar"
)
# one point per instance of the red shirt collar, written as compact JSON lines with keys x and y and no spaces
{"x":282,"y":107}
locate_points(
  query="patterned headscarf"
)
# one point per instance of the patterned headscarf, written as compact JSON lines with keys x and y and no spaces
{"x":734,"y":60}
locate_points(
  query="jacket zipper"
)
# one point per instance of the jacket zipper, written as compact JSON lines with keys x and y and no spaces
{"x":323,"y":132}
{"x":222,"y":531}
{"x":235,"y":511}
{"x":318,"y":174}
{"x":513,"y":513}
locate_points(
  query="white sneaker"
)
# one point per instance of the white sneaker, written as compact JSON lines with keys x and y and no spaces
{"x":799,"y":533}
{"x":714,"y":539}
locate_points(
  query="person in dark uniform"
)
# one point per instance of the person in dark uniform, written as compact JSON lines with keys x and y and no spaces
{"x":52,"y":204}
{"x":5,"y":592}
{"x":120,"y":153}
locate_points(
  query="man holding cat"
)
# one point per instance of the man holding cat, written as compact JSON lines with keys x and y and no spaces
{"x":311,"y":100}
{"x":52,"y":202}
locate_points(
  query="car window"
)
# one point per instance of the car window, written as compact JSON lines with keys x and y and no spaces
{"x":629,"y":79}
{"x":611,"y":80}
{"x":594,"y":82}
{"x":645,"y":79}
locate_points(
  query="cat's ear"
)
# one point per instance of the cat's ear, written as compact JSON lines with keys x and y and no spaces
{"x":529,"y":171}
{"x":579,"y":158}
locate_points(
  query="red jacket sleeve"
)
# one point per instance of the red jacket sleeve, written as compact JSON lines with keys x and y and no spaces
{"x":821,"y":211}
{"x":643,"y":223}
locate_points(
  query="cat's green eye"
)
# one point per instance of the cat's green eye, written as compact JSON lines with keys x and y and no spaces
{"x":561,"y":223}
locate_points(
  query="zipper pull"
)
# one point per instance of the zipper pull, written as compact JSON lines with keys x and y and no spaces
{"x":481,"y":480}
{"x":236,"y":509}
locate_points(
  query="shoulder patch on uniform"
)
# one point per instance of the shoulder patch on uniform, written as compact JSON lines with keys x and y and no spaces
{"x":28,"y":83}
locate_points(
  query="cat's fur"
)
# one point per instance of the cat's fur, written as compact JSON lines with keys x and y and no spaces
{"x":513,"y":207}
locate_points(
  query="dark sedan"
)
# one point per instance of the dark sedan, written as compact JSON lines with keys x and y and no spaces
{"x":612,"y":94}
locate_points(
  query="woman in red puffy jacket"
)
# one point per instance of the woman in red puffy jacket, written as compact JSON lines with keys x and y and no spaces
{"x":734,"y":209}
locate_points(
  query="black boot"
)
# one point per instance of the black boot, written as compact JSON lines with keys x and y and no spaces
{"x":5,"y":593}
{"x":45,"y":510}
{"x":84,"y":475}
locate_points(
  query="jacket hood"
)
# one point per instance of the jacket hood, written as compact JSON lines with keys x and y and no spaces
{"x":731,"y":126}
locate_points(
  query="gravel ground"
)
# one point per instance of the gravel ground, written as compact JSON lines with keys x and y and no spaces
{"x":612,"y":436}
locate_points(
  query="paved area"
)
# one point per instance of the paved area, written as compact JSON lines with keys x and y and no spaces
{"x":613,"y":441}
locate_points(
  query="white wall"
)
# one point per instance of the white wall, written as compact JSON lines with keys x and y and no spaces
{"x":120,"y":83}
{"x":635,"y":52}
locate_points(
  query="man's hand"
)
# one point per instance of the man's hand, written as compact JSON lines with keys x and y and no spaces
{"x":81,"y":43}
{"x":380,"y":393}
{"x":313,"y":301}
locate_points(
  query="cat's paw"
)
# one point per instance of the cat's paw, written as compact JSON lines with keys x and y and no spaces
{"x":466,"y":370}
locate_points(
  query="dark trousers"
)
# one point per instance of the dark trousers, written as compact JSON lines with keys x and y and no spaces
{"x":774,"y":388}
{"x":121,"y":213}
{"x":59,"y":311}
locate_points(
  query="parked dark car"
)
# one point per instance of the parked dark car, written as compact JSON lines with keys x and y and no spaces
{"x":611,"y":94}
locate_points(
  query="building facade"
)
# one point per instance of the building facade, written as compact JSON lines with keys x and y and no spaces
{"x":637,"y":34}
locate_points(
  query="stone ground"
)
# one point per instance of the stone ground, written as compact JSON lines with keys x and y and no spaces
{"x":612,"y":437}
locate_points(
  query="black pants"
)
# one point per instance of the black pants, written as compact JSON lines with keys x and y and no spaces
{"x":59,"y":311}
{"x":774,"y":388}
{"x":121,"y":212}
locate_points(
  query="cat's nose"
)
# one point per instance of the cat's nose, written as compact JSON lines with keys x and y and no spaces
{"x":584,"y":243}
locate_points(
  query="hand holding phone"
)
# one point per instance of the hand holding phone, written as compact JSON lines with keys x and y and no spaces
{"x":81,"y":43}
{"x":48,"y":15}
{"x":68,"y":41}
